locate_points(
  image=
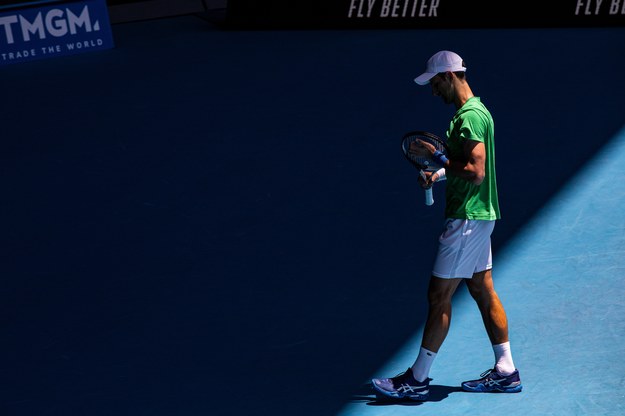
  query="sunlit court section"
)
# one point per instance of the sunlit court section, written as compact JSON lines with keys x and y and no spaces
{"x":562,"y":280}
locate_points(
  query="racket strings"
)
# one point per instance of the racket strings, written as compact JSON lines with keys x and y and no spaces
{"x":424,"y":161}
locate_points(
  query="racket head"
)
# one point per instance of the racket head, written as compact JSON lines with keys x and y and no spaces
{"x":421,"y":157}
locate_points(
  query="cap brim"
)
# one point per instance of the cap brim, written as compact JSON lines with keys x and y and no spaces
{"x":424,"y":78}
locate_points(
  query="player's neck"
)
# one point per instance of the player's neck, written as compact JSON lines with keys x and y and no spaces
{"x":463,"y":94}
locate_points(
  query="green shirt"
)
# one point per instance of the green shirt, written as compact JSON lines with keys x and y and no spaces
{"x":464,"y":199}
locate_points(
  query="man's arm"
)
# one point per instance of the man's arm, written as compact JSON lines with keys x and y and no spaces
{"x":473,"y":168}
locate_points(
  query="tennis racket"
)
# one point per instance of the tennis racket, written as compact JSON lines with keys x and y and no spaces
{"x":415,"y":147}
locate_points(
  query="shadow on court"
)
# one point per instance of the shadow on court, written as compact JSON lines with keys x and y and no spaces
{"x":208,"y":222}
{"x":366,"y":394}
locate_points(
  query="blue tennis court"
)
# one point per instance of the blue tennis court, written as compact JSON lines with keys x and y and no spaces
{"x":202,"y":221}
{"x":560,"y":276}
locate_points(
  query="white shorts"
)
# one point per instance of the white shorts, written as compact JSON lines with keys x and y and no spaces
{"x":464,"y":249}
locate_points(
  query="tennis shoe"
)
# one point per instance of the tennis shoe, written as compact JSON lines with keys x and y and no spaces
{"x":402,"y":386}
{"x":491,"y":381}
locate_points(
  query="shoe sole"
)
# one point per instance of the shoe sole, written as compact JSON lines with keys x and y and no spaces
{"x":419,"y":398}
{"x":482,"y":389}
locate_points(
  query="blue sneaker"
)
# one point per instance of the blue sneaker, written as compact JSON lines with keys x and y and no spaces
{"x":402,"y":386}
{"x":493,"y":382}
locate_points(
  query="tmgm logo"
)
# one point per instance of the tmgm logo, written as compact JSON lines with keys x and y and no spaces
{"x":55,"y":23}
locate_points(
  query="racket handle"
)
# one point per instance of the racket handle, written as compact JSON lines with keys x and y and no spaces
{"x":429,"y":198}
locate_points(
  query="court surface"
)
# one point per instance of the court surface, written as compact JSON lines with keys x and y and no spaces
{"x":566,"y":267}
{"x":212,"y":222}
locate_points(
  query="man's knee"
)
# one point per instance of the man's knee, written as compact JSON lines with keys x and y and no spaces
{"x":441,"y":291}
{"x":481,"y":286}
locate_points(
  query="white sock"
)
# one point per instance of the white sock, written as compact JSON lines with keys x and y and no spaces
{"x":503,"y":359}
{"x":421,"y":367}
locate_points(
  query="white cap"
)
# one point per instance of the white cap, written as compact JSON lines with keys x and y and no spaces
{"x":442,"y":61}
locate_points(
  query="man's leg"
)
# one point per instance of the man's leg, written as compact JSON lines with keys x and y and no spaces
{"x":440,"y":293}
{"x":494,"y":316}
{"x":504,"y":377}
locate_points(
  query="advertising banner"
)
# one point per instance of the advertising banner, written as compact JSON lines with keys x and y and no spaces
{"x":431,"y":14}
{"x":41,"y":30}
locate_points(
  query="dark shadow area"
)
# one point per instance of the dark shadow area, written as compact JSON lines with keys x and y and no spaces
{"x":203,"y":222}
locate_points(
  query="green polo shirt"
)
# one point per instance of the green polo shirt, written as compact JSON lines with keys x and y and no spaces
{"x":465,"y":200}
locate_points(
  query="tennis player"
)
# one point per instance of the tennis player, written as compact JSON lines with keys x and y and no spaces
{"x":464,"y":250}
